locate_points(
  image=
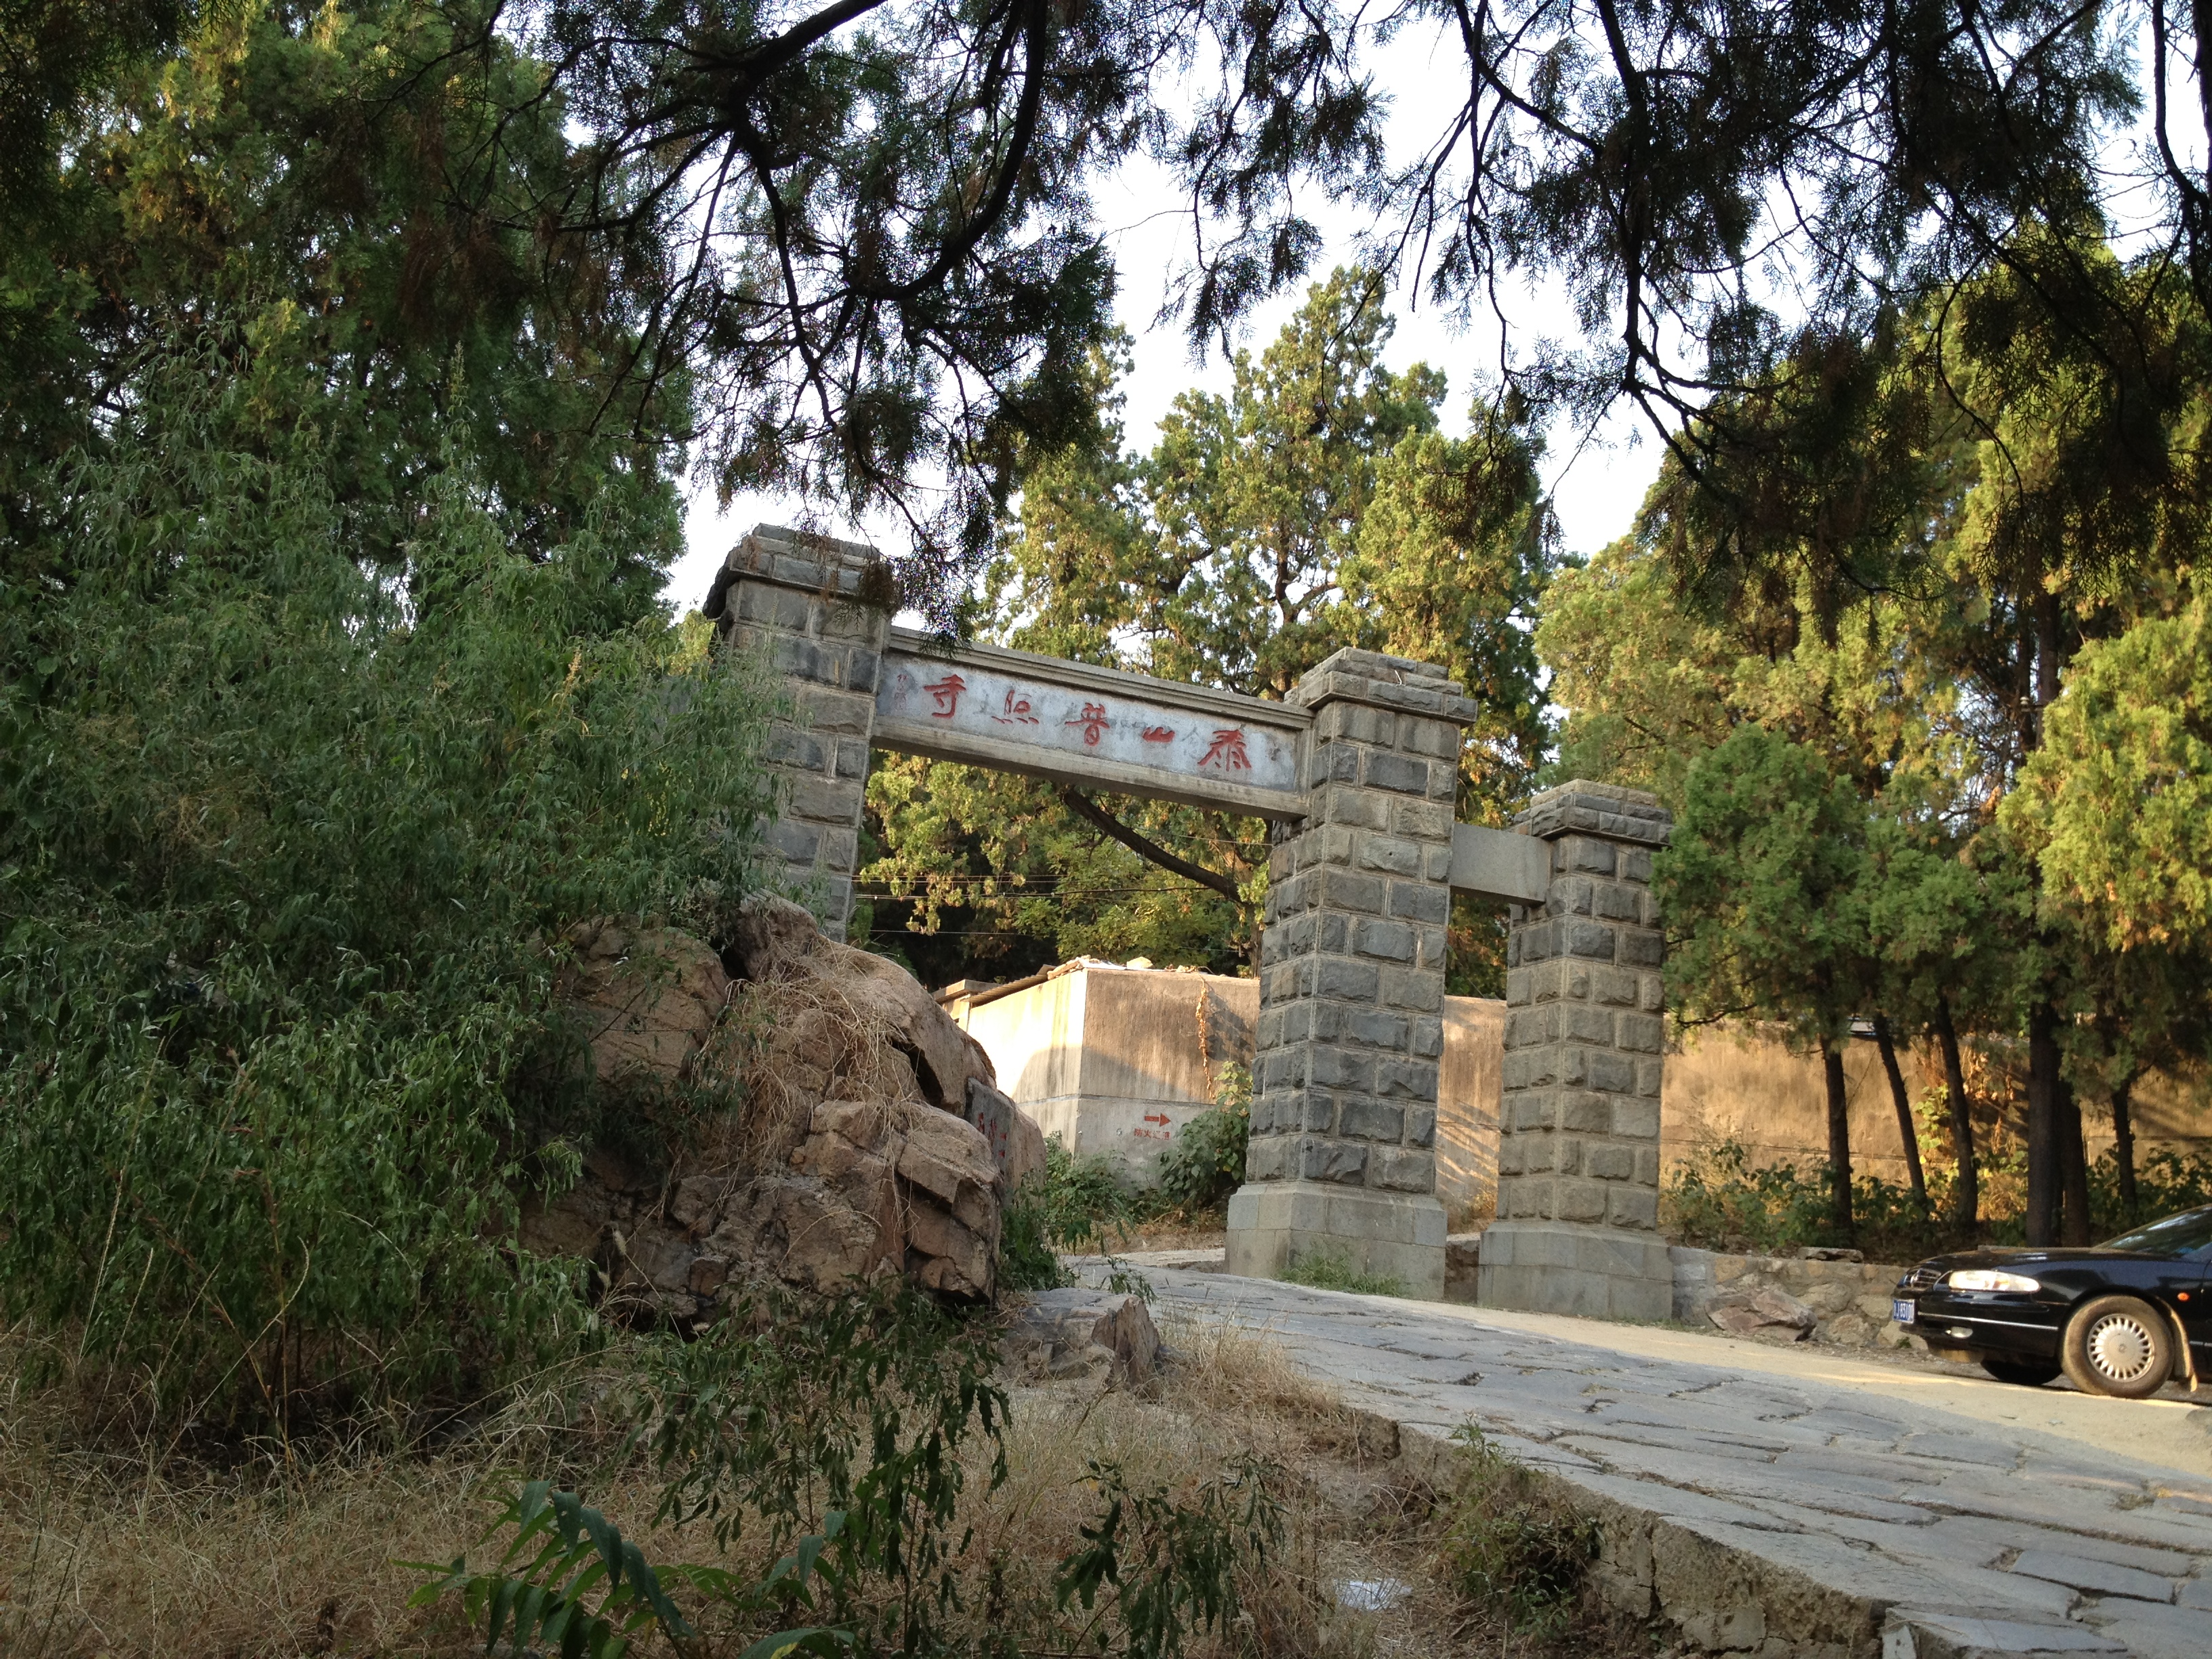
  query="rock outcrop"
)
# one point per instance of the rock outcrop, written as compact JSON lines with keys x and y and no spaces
{"x":1092,"y":1335}
{"x":647,"y":1000}
{"x":836,"y":1141}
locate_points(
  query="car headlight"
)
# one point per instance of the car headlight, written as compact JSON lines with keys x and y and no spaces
{"x":1988,"y":1279}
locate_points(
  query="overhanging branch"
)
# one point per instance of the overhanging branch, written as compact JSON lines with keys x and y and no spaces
{"x":1147,"y":848}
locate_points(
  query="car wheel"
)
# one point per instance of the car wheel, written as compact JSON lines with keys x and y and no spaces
{"x":2120,"y":1346}
{"x":2028,"y":1373}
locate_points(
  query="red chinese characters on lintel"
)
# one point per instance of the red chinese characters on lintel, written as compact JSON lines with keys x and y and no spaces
{"x":1093,"y":722}
{"x":1018,"y":710}
{"x":1227,"y":751}
{"x":947,"y":692}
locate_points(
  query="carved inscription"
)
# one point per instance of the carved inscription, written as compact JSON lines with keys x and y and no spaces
{"x":978,"y":701}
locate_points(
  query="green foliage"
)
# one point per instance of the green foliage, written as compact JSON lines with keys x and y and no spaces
{"x":1173,"y":1565}
{"x":1080,"y":1200}
{"x":838,"y":1433}
{"x":1760,"y":886}
{"x":789,"y":1413}
{"x":2166,"y":1181}
{"x":1718,"y":1199}
{"x":1027,"y":1258}
{"x":2118,"y":800}
{"x":1314,"y":507}
{"x":293,"y":182}
{"x":1206,"y":1163}
{"x":1333,"y":1270}
{"x":291,"y":836}
{"x":1512,"y":1541}
{"x":541,"y":1596}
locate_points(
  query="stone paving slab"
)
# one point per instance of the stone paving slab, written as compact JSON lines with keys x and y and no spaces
{"x":1773,"y":1511}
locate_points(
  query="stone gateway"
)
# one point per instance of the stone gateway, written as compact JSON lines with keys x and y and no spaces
{"x":1358,"y":771}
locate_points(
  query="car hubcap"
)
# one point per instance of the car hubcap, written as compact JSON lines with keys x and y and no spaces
{"x":2121,"y":1348}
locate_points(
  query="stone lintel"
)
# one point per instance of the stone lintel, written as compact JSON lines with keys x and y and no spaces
{"x":1273,"y":1223}
{"x":1500,"y":863}
{"x":1571,"y":1267}
{"x":1016,"y":711}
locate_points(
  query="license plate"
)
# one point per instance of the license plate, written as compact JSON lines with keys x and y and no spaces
{"x":1901,"y":1311}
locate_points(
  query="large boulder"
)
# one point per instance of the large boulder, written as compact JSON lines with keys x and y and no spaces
{"x":647,"y":999}
{"x":849,"y":1145}
{"x":775,"y":939}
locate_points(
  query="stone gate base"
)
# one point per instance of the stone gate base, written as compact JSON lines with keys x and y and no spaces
{"x":1568,"y":1268}
{"x":1399,"y":1236}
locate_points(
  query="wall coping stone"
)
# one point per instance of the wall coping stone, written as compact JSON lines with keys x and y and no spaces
{"x":1595,"y":808}
{"x":1398,"y":683}
{"x":792,"y":558}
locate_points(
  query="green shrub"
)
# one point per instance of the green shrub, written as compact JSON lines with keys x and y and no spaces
{"x":1332,"y":1270}
{"x":1718,"y":1200}
{"x":837,"y":1436}
{"x":288,"y":840}
{"x":1206,"y":1163}
{"x":1081,"y":1201}
{"x":1511,"y":1541}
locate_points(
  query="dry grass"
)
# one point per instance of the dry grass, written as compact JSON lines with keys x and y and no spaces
{"x":108,"y":1555}
{"x":116,"y":1550}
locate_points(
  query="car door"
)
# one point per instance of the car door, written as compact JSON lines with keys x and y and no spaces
{"x":2195,"y":1305}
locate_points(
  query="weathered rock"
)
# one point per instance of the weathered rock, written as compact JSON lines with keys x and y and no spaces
{"x":1765,"y":1312}
{"x":1016,"y":1140}
{"x":775,"y":936}
{"x":836,"y":1166}
{"x":1083,"y":1334}
{"x":647,"y":999}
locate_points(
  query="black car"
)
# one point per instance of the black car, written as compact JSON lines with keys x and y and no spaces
{"x":2120,"y":1318}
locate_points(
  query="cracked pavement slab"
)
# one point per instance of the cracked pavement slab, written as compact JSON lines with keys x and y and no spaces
{"x":1960,"y":1516}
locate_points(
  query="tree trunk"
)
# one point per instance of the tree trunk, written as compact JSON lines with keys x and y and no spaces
{"x":1967,"y":1190}
{"x":1839,"y":1142}
{"x":1907,"y":1133}
{"x":2124,"y":1146}
{"x":2075,"y":1229}
{"x":2045,"y":1146}
{"x":2046,"y":1102}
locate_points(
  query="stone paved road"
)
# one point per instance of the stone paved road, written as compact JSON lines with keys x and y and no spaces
{"x":1814,"y":1499}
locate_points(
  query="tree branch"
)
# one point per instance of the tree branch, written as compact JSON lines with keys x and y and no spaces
{"x":1085,"y":807}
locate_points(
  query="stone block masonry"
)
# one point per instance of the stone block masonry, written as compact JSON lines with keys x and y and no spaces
{"x":1351,"y":982}
{"x":1585,"y":1032}
{"x":813,"y":611}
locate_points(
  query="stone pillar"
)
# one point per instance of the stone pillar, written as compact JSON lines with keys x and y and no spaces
{"x":1579,"y":1151}
{"x":1352,"y":983}
{"x":816,"y":613}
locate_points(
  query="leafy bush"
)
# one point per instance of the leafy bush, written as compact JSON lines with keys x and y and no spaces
{"x":1511,"y":1541}
{"x":1718,"y":1201}
{"x":1082,"y":1200}
{"x":2166,"y":1181}
{"x":837,"y":1437}
{"x":1206,"y":1163}
{"x":288,"y":839}
{"x":1332,"y":1270}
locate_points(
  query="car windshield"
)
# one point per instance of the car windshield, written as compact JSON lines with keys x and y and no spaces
{"x":2178,"y":1235}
